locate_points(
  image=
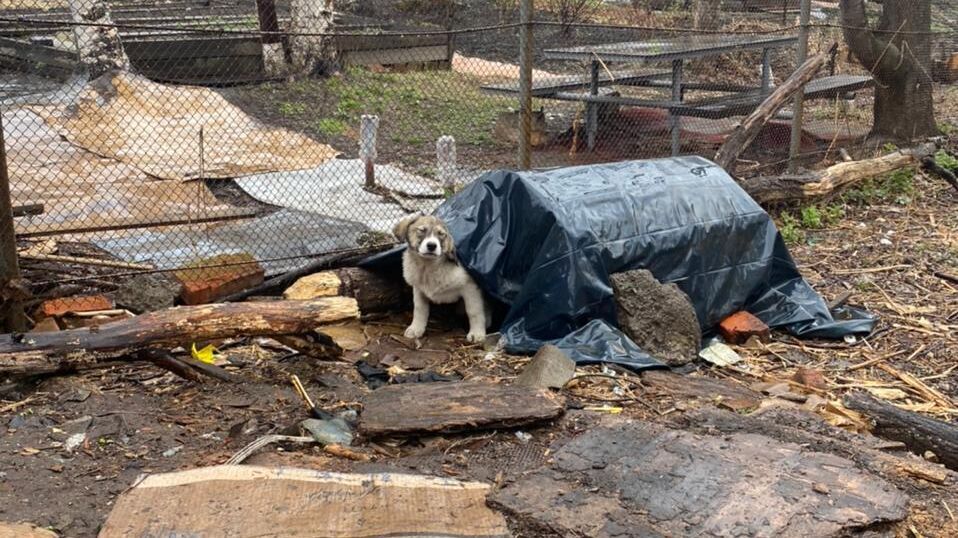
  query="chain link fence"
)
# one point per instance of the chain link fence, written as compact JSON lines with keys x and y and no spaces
{"x":152,"y":136}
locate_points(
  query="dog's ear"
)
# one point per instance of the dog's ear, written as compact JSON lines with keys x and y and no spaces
{"x":402,"y":227}
{"x":449,"y":248}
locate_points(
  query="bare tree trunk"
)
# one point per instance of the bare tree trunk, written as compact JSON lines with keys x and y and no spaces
{"x":898,"y":53}
{"x":99,"y":46}
{"x":310,"y":53}
{"x":705,"y":13}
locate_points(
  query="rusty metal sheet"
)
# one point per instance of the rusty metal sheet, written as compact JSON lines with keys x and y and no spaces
{"x":81,"y":189}
{"x":156,"y":128}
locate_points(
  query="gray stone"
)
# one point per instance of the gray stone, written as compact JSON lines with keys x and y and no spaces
{"x":550,"y":368}
{"x":658,"y":317}
{"x":328,"y":432}
{"x":148,"y":293}
{"x":636,"y":478}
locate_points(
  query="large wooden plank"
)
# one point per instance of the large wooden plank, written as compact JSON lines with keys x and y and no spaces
{"x":243,"y":501}
{"x":449,"y":407}
{"x":166,"y":48}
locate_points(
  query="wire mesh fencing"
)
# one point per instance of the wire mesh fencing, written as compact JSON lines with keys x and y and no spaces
{"x":143,"y":136}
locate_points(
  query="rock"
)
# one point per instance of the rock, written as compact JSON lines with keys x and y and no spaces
{"x":741,"y":326}
{"x":810,"y":378}
{"x":636,"y":478}
{"x":148,"y":293}
{"x":172,"y":451}
{"x":659,"y":318}
{"x":335,"y":431}
{"x":550,"y":368}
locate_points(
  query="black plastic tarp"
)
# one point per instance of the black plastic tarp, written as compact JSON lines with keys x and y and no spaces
{"x":545,"y":242}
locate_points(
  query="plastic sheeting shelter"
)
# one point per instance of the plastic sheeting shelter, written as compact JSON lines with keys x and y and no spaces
{"x":545,"y":242}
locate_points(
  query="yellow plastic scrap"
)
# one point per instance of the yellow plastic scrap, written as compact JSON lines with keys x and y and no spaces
{"x":207,"y":354}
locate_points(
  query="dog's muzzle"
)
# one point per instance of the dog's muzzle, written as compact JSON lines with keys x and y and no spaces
{"x":430,"y":247}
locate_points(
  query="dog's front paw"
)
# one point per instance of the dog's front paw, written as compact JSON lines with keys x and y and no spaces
{"x":476,"y":337}
{"x":414,"y":332}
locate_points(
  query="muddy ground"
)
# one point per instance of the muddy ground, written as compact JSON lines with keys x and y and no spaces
{"x":893,"y":252}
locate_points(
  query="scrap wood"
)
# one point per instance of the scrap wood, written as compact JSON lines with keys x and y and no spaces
{"x":919,"y":433}
{"x":70,"y":350}
{"x":191,"y":323}
{"x":920,"y":387}
{"x":266,"y":440}
{"x":242,"y":500}
{"x":86,"y":261}
{"x":451,"y":407}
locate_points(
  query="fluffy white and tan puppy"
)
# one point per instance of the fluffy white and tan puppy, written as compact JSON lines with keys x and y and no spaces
{"x":430,"y":266}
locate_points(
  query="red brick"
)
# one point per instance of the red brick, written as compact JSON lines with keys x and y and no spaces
{"x":212,"y":279}
{"x":741,"y":326}
{"x":85,"y":303}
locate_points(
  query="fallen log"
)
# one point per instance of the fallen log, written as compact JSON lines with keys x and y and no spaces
{"x":330,"y":261}
{"x":792,"y":188}
{"x":176,"y":326}
{"x":918,"y":432}
{"x":745,"y":132}
{"x":374,"y":292}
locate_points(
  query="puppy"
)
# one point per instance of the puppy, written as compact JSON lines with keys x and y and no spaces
{"x":430,"y":266}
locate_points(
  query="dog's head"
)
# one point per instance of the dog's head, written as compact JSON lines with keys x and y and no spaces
{"x":426,"y":236}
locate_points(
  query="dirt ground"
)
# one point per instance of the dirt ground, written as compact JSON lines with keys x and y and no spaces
{"x":894,"y":254}
{"x":891,"y":243}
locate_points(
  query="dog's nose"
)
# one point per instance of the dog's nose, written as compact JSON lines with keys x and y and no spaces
{"x":431,"y":246}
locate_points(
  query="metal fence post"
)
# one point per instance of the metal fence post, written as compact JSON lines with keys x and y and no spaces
{"x":11,"y":318}
{"x":799,"y":104}
{"x":525,"y":84}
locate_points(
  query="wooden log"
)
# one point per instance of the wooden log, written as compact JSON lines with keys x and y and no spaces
{"x":374,"y":292}
{"x":918,"y":432}
{"x":791,"y":188}
{"x":745,"y":132}
{"x":190,"y":324}
{"x":330,"y":261}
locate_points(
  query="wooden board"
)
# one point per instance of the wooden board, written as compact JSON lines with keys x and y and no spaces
{"x":447,"y":407}
{"x":246,"y":501}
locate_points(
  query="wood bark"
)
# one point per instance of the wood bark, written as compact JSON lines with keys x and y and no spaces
{"x":330,"y":261}
{"x":175,"y":326}
{"x":898,"y":53}
{"x":792,"y":188}
{"x":310,"y":52}
{"x":918,"y":432}
{"x":374,"y":292}
{"x":745,"y":132}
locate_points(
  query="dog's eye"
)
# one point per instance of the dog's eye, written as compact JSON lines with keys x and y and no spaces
{"x":441,"y":234}
{"x":420,"y":231}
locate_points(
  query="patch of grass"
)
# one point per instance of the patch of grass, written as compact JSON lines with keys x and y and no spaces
{"x":812,"y":218}
{"x":291,"y":109}
{"x":415,"y":108}
{"x":790,"y":229}
{"x":331,"y":127}
{"x":946,"y":160}
{"x":897,"y":187}
{"x":947,"y":129}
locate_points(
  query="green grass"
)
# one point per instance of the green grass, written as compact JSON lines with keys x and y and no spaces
{"x":946,"y":161}
{"x":415,"y":108}
{"x":791,"y":229}
{"x":897,"y":187}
